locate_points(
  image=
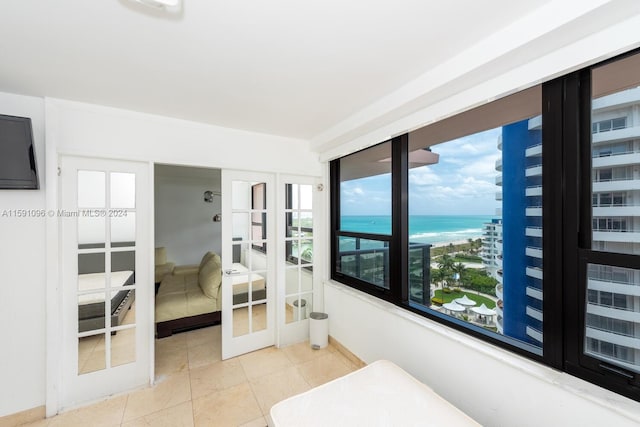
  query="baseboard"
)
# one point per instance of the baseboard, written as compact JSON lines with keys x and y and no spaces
{"x":346,"y":353}
{"x":23,"y":417}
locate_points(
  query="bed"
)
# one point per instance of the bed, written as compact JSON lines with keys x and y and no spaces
{"x":91,"y":308}
{"x":380,"y":394}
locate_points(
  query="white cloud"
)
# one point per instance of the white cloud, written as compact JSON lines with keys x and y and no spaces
{"x":423,"y":176}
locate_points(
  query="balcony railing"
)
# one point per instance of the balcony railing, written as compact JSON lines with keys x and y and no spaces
{"x":367,"y":260}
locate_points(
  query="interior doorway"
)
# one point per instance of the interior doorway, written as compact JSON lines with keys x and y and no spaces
{"x":187,"y":236}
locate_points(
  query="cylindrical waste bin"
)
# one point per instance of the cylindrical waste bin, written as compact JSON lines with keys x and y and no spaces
{"x":302,"y":313}
{"x":318,"y":330}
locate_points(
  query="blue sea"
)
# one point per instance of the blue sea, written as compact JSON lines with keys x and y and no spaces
{"x":434,"y":229}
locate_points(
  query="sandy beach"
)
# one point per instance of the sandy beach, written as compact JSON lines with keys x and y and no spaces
{"x":456,"y":242}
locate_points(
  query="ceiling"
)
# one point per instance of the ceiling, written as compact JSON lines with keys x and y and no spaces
{"x":282,"y":67}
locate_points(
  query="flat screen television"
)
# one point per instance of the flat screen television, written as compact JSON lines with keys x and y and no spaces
{"x":18,"y":169}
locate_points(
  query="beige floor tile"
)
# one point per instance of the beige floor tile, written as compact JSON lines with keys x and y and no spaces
{"x":176,"y":416}
{"x":173,"y":390}
{"x":323,"y":369}
{"x":215,"y":377}
{"x":302,"y":352}
{"x":230,"y":407}
{"x":204,"y":354}
{"x":32,"y":417}
{"x":258,"y":422}
{"x":176,"y":342}
{"x":171,"y":361}
{"x":39,"y":423}
{"x":263,"y":362}
{"x":209,"y":335}
{"x":272,"y":388}
{"x":103,"y":414}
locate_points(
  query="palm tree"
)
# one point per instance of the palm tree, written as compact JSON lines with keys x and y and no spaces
{"x":437,"y":276}
{"x":459,"y":268}
{"x":445,"y":264}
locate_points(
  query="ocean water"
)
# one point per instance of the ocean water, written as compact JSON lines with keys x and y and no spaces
{"x":432,"y":229}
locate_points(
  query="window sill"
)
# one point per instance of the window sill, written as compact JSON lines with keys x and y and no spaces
{"x":568,"y":383}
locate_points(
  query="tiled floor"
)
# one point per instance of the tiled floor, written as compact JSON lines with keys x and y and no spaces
{"x":194,"y":387}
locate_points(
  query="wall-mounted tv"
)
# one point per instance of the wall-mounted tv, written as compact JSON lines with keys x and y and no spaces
{"x":18,"y":169}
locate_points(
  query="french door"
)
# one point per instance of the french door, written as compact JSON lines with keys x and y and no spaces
{"x":106,"y":286}
{"x":248,"y":262}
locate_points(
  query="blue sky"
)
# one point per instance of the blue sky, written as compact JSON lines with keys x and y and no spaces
{"x":461,"y":183}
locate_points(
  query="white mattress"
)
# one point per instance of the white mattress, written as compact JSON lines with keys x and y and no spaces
{"x":240,"y":282}
{"x":97,"y":281}
{"x":380,"y":394}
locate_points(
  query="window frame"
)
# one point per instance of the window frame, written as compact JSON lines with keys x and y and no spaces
{"x":567,"y":229}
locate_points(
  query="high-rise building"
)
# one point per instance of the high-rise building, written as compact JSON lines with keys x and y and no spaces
{"x":613,"y":293}
{"x":519,"y":269}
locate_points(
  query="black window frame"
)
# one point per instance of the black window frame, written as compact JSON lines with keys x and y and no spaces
{"x":567,"y":229}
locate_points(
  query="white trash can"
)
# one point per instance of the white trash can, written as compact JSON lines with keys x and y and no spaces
{"x":318,"y":330}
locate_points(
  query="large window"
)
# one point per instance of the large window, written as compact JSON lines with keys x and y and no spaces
{"x":471,"y":222}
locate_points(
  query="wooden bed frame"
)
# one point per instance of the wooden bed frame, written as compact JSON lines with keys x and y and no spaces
{"x":167,"y":328}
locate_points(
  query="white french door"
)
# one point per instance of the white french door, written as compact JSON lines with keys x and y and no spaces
{"x":248,"y":262}
{"x":297,"y":249}
{"x":106,"y":288}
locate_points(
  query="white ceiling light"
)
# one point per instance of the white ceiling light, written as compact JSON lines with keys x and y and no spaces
{"x":161,"y":4}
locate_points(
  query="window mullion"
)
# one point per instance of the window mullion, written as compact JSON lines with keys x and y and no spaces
{"x":552,"y":138}
{"x":399,"y":253}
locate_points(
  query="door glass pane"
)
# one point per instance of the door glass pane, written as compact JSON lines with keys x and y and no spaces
{"x":123,"y":229}
{"x":123,"y":347}
{"x":91,"y":230}
{"x":306,"y":197}
{"x":91,"y":268}
{"x":240,"y":325}
{"x":91,"y":189}
{"x":240,"y":225}
{"x":259,"y":317}
{"x":91,"y":311}
{"x":241,"y":195}
{"x":305,"y":252}
{"x":123,"y":268}
{"x":123,"y":190}
{"x":91,"y":354}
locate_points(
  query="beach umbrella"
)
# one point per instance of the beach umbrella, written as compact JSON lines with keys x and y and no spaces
{"x":453,"y":307}
{"x":483,"y":311}
{"x":465,"y":301}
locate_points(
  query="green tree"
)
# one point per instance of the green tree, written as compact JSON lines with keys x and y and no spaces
{"x":445,"y":264}
{"x":459,"y":268}
{"x":437,"y":276}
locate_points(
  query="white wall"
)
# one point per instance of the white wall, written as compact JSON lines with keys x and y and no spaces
{"x":183,"y":220}
{"x":85,"y":129}
{"x":491,"y":385}
{"x":22,"y":287}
